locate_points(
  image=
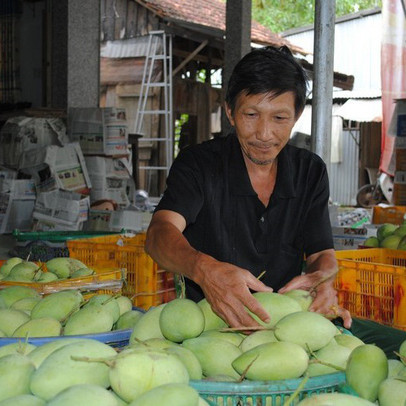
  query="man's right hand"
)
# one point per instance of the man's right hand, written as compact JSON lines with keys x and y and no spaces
{"x":227,"y":288}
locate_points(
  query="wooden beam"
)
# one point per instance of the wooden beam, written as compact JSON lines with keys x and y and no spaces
{"x":215,"y":62}
{"x":190,"y":57}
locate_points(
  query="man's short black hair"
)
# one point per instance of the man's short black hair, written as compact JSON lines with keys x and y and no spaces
{"x":268,"y":70}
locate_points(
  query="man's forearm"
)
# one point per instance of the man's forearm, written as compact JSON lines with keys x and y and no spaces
{"x":170,"y":249}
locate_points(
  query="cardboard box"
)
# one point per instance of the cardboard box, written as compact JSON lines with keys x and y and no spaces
{"x":100,"y":131}
{"x":17,"y":199}
{"x":26,"y":134}
{"x":400,"y":154}
{"x":388,"y":214}
{"x":397,"y":125}
{"x":56,"y":167}
{"x":347,"y":238}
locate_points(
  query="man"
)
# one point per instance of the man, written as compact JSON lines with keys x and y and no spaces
{"x":249,"y":202}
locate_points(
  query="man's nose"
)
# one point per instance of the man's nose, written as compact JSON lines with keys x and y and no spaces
{"x":264,"y":130}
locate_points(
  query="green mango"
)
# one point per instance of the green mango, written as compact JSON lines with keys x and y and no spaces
{"x":39,"y":354}
{"x":333,"y":354}
{"x":16,"y":371}
{"x":60,"y":370}
{"x":211,"y":320}
{"x":402,"y":352}
{"x":392,"y":392}
{"x":107,"y":301}
{"x":232,"y":337}
{"x":26,"y":304}
{"x":20,"y":347}
{"x":257,"y":338}
{"x":47,"y":277}
{"x":128,"y":319}
{"x":148,"y":325}
{"x":23,"y":400}
{"x":308,"y":329}
{"x":181,"y":319}
{"x":277,"y":306}
{"x":303,"y":297}
{"x":390,"y":242}
{"x":171,"y":394}
{"x":385,"y":230}
{"x":42,"y":327}
{"x":348,"y":341}
{"x":272,"y":361}
{"x":58,"y":305}
{"x":11,"y":294}
{"x":136,"y":371}
{"x":84,"y":394}
{"x":188,"y":359}
{"x":395,"y":367}
{"x":11,"y":319}
{"x":9,"y":264}
{"x":24,"y":271}
{"x":401,"y":230}
{"x":63,"y":267}
{"x":367,"y":367}
{"x":81,"y":272}
{"x":120,"y":402}
{"x":92,"y":319}
{"x":124,"y":303}
{"x":334,"y":399}
{"x":214,"y":354}
{"x":371,"y":242}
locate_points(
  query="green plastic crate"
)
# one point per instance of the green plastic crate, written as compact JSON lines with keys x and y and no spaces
{"x":45,"y":245}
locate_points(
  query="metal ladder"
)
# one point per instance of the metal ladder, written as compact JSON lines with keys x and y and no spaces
{"x":159,"y":48}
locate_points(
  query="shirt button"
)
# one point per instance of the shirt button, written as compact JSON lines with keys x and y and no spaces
{"x":262,"y":219}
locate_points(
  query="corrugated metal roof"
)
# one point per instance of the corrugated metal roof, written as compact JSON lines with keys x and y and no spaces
{"x":361,"y":110}
{"x":357,"y":94}
{"x":126,"y":48}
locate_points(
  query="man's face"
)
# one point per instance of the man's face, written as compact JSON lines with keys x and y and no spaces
{"x":263,"y":124}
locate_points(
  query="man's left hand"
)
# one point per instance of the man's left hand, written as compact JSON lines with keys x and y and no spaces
{"x":324,"y":295}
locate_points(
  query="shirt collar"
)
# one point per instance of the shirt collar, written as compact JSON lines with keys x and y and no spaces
{"x":239,"y":181}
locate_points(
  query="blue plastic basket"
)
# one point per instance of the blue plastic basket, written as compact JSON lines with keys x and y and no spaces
{"x":269,"y":393}
{"x":116,"y":338}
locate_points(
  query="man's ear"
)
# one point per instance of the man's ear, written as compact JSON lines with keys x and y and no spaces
{"x":229,"y":113}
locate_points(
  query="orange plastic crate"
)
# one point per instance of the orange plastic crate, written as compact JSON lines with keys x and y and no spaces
{"x":371,"y":284}
{"x":390,"y":214}
{"x":146,"y":284}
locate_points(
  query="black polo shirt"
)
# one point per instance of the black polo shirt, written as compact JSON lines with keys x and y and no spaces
{"x":209,"y":186}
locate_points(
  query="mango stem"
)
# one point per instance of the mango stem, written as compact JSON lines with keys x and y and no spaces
{"x":295,"y":394}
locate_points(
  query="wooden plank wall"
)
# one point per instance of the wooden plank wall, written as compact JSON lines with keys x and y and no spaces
{"x":123,"y":19}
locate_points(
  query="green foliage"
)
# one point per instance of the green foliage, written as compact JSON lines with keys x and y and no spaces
{"x":281,"y":15}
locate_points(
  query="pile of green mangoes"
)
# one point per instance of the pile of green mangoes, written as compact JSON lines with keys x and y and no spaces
{"x":388,"y":235}
{"x":75,"y":371}
{"x":180,"y":342}
{"x":16,"y":269}
{"x":26,"y":313}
